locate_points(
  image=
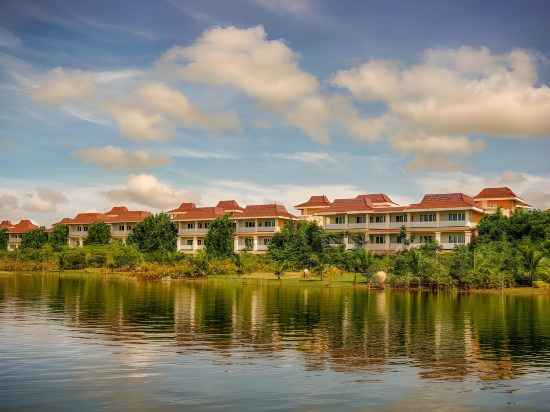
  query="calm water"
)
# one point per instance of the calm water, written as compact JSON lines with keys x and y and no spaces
{"x":86,"y":342}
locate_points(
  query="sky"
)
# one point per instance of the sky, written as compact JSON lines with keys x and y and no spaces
{"x":150,"y":104}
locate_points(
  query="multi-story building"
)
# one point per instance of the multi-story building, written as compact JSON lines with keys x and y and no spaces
{"x":254,"y":224}
{"x":16,"y":231}
{"x":120,"y":219}
{"x":492,"y":198}
{"x":376,"y":221}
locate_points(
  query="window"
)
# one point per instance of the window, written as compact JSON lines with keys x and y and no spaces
{"x":199,"y":225}
{"x":428,"y":217}
{"x":378,"y":239}
{"x":268,"y":223}
{"x":457,"y":216}
{"x":206,"y":225}
{"x":190,"y":226}
{"x":492,"y":203}
{"x":377,"y":219}
{"x":267,"y":241}
{"x":456,"y":238}
{"x":199,"y":242}
{"x":248,"y":243}
{"x":360,"y":219}
{"x":189,"y":242}
{"x":121,"y":228}
{"x":400,"y":218}
{"x":340,"y":220}
{"x":79,"y":228}
{"x":128,"y":227}
{"x":250,"y":223}
{"x":85,"y":228}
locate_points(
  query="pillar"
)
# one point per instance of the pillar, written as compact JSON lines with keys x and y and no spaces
{"x":386,"y":241}
{"x":236,"y":243}
{"x":194,"y":243}
{"x":467,"y":237}
{"x":255,"y":240}
{"x":438,"y":235}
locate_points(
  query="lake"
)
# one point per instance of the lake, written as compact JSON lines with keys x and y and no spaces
{"x":89,"y":342}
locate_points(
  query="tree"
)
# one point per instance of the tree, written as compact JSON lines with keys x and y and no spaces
{"x":402,"y":236}
{"x":3,"y":239}
{"x":59,"y":236}
{"x":358,"y":260}
{"x":98,"y":234}
{"x":34,"y":239}
{"x":219,"y":239}
{"x":531,"y":257}
{"x":156,"y":233}
{"x":493,"y":227}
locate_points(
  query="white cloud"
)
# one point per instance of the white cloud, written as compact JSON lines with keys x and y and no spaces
{"x":112,"y":158}
{"x":60,"y":86}
{"x":136,"y":123}
{"x":535,"y":189}
{"x":147,"y":190}
{"x":202,"y":154}
{"x":40,"y":200}
{"x":458,"y":91}
{"x":306,"y":157}
{"x":8,"y":39}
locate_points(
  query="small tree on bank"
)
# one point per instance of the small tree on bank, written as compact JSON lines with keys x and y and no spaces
{"x":157,"y":233}
{"x":59,"y":236}
{"x":34,"y":239}
{"x":3,"y":239}
{"x":219,"y":239}
{"x":98,"y":234}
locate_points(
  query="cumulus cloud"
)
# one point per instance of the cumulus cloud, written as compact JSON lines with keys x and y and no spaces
{"x":139,"y":124}
{"x":147,"y":190}
{"x":113,"y":158}
{"x":60,"y":86}
{"x":40,"y":200}
{"x":460,"y":91}
{"x":535,"y":189}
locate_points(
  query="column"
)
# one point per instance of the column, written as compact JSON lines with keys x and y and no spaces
{"x":178,"y":243}
{"x":255,"y":238}
{"x":194,"y":243}
{"x":467,"y":237}
{"x":387,"y":220}
{"x":437,"y":218}
{"x":438,"y":236}
{"x":236,"y":244}
{"x":387,"y":241}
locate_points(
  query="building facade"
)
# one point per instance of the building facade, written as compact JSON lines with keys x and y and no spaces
{"x":491,"y":199}
{"x":16,"y":231}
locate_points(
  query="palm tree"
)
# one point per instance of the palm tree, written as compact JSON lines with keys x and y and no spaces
{"x":531,"y":257}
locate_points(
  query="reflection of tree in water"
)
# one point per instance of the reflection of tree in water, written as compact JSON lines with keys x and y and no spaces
{"x":447,"y":336}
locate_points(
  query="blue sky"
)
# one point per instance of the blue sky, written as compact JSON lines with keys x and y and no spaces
{"x":152,"y":103}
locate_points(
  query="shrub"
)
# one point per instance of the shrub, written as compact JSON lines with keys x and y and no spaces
{"x":72,"y":258}
{"x":98,"y":234}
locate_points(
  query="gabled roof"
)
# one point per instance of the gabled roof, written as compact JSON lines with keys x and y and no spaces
{"x":314,"y":201}
{"x":24,"y":226}
{"x":118,"y":214}
{"x":495,"y":192}
{"x":229,"y":205}
{"x":377,"y":198}
{"x":5,"y":224}
{"x":268,"y":210}
{"x":200,"y":213}
{"x":444,"y":201}
{"x":185,"y":206}
{"x":358,"y":204}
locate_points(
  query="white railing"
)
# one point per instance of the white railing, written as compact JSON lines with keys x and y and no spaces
{"x":266,"y":229}
{"x":423,"y":224}
{"x":453,"y":223}
{"x":357,"y":225}
{"x":186,"y":247}
{"x":449,"y":246}
{"x":186,"y":232}
{"x":339,"y":226}
{"x":398,"y":224}
{"x":378,"y":225}
{"x":243,"y":229}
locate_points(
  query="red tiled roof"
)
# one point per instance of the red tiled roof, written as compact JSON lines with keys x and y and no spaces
{"x":349,"y":205}
{"x":185,"y":206}
{"x":444,"y":201}
{"x":269,"y":210}
{"x":200,"y":213}
{"x":314,"y":201}
{"x":23,"y":226}
{"x":5,"y":224}
{"x":495,"y":192}
{"x":377,"y":198}
{"x":229,"y":205}
{"x":63,"y":221}
{"x":118,"y":214}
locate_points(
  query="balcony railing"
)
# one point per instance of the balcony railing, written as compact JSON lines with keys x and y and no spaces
{"x":378,"y":225}
{"x":339,"y":226}
{"x":453,"y":223}
{"x":423,"y":224}
{"x":194,"y":231}
{"x":357,"y":225}
{"x":449,"y":246}
{"x":397,"y":225}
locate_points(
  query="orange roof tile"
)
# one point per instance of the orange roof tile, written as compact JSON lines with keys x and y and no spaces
{"x":349,"y":205}
{"x":314,"y":201}
{"x":5,"y":224}
{"x":185,"y":206}
{"x":229,"y":205}
{"x":118,"y":214}
{"x":24,"y":226}
{"x":495,"y":192}
{"x":444,"y":201}
{"x":268,"y":210}
{"x":200,"y":213}
{"x":377,"y":198}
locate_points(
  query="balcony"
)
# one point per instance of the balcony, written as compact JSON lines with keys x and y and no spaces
{"x":378,"y":225}
{"x":450,"y":246}
{"x":243,"y":229}
{"x":397,"y":225}
{"x":186,"y":247}
{"x":265,"y":229}
{"x":357,"y":225}
{"x":336,"y":226}
{"x":184,"y":231}
{"x":459,"y":223}
{"x":423,"y":224}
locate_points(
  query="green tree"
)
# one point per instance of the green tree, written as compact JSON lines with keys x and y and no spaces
{"x":58,"y":237}
{"x":531,"y":257}
{"x":34,"y":239}
{"x":219,"y":239}
{"x":359,"y":260}
{"x":98,"y":234}
{"x":3,"y":239}
{"x":493,"y":227}
{"x":156,"y":233}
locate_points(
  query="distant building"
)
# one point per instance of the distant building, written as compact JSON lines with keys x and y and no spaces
{"x":492,"y":198}
{"x":16,"y":231}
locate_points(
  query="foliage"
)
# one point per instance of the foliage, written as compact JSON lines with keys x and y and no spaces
{"x":3,"y":239}
{"x":156,"y":233}
{"x":219,"y":239}
{"x":99,"y":233}
{"x":34,"y":239}
{"x":58,"y":237}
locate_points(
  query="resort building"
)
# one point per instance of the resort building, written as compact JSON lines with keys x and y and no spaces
{"x":254,"y":225}
{"x":492,"y":198}
{"x":120,"y":219}
{"x":16,"y":231}
{"x":377,"y":222}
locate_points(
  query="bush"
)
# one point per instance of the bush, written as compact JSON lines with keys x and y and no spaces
{"x":72,"y":258}
{"x":126,"y":257}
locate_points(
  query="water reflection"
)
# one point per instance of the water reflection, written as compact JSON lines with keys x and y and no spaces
{"x":446,"y":336}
